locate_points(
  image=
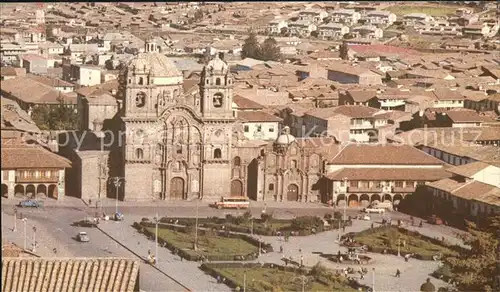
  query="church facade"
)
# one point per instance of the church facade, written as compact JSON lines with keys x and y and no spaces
{"x":176,"y":146}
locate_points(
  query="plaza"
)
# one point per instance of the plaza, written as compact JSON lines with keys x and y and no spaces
{"x":113,"y":239}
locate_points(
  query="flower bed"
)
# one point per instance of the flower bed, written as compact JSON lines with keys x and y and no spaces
{"x":301,"y":226}
{"x":384,"y":239}
{"x":219,"y":246}
{"x":271,"y":277}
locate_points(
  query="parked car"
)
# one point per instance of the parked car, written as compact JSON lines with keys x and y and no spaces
{"x":435,"y":220}
{"x":118,"y":217}
{"x":374,"y":210}
{"x":87,"y":222}
{"x":30,"y":204}
{"x":83,"y":237}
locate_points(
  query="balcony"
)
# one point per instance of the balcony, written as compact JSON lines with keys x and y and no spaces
{"x":364,"y":189}
{"x":409,"y":189}
{"x":33,"y":179}
{"x":362,"y":126}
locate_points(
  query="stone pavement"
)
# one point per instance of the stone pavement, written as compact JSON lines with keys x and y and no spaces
{"x":45,"y":244}
{"x":185,"y":272}
{"x":413,"y":273}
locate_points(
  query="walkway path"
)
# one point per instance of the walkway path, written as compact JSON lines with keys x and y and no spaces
{"x":185,"y":272}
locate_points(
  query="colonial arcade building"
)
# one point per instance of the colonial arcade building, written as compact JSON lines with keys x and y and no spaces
{"x":31,"y":170}
{"x":361,"y":174}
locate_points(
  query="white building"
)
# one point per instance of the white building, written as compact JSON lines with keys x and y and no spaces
{"x":332,"y":31}
{"x":275,"y":26}
{"x":313,"y":15}
{"x":348,"y":16}
{"x":378,"y":17}
{"x":368,"y":32}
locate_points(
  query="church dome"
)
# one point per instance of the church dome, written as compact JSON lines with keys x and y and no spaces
{"x":155,"y":64}
{"x":217,"y":64}
{"x":285,"y":138}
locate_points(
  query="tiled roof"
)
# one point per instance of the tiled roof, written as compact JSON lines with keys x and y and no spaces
{"x":16,"y":154}
{"x":83,"y":274}
{"x":106,"y":87}
{"x":52,"y":82}
{"x":257,"y":116}
{"x":362,"y":95}
{"x":31,"y":91}
{"x":473,"y":190}
{"x":245,"y":103}
{"x":413,"y":174}
{"x":447,"y":184}
{"x":469,"y":169}
{"x":384,"y":49}
{"x":383,"y":155}
{"x":464,"y":116}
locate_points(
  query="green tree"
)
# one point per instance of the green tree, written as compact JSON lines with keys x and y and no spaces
{"x":251,"y":47}
{"x":474,"y":269}
{"x":60,"y":117}
{"x":269,"y":50}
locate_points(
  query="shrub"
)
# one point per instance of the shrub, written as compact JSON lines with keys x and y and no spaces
{"x":306,"y":223}
{"x":266,"y":217}
{"x":337,"y":215}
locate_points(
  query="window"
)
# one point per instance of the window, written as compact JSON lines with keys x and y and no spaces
{"x":37,"y":174}
{"x":245,"y":128}
{"x":217,"y":153}
{"x":410,"y":183}
{"x":271,"y":187}
{"x":141,"y":80}
{"x":140,"y":99}
{"x":399,"y":184}
{"x":271,"y":129}
{"x":217,"y":100}
{"x":178,"y":149}
{"x":139,"y":153}
{"x":236,"y":162}
{"x":293,"y":163}
{"x":365,"y":184}
{"x":217,"y":81}
{"x":342,"y":183}
{"x":5,"y":175}
{"x":208,"y":81}
{"x":259,"y":128}
{"x":47,"y":173}
{"x":353,"y":184}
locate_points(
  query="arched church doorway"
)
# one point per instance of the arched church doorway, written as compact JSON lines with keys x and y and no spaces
{"x":177,"y":188}
{"x":292,"y":193}
{"x":236,"y":188}
{"x":5,"y":190}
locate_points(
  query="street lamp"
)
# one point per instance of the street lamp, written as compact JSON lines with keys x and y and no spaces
{"x":117,"y":182}
{"x":345,"y":204}
{"x":15,"y":220}
{"x":260,"y":246}
{"x":34,"y":239}
{"x":399,"y":244}
{"x":373,"y":280}
{"x":156,"y":238}
{"x":195,"y":245}
{"x":25,"y":220}
{"x":245,"y":281}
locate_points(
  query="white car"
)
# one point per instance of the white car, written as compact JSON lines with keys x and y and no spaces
{"x":374,"y":210}
{"x":366,"y":218}
{"x":83,"y":237}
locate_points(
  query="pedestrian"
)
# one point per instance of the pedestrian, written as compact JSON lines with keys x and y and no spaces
{"x":301,"y":261}
{"x":421,"y":223}
{"x":149,"y":251}
{"x":281,"y":248}
{"x":90,"y":202}
{"x":398,"y":273}
{"x":343,"y":228}
{"x":300,"y":250}
{"x":54,"y":250}
{"x":407,"y":257}
{"x":218,"y":279}
{"x":372,"y":225}
{"x":404,"y":243}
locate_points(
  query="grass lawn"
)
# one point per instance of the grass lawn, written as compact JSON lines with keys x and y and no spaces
{"x":441,"y":10}
{"x":209,"y":245}
{"x":264,"y":279}
{"x":272,"y":225}
{"x":389,"y":239}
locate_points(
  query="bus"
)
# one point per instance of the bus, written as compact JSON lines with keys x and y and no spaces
{"x":232,"y":202}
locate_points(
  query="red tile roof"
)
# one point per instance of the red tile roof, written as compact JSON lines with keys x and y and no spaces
{"x":257,"y":116}
{"x":245,"y":103}
{"x":383,"y":155}
{"x":16,"y":154}
{"x":383,"y":49}
{"x":410,"y":174}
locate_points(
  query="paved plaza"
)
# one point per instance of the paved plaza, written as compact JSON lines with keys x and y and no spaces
{"x":54,"y":229}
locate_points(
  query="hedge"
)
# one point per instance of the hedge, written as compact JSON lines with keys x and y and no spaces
{"x":191,"y":255}
{"x":404,"y":231}
{"x":217,"y":223}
